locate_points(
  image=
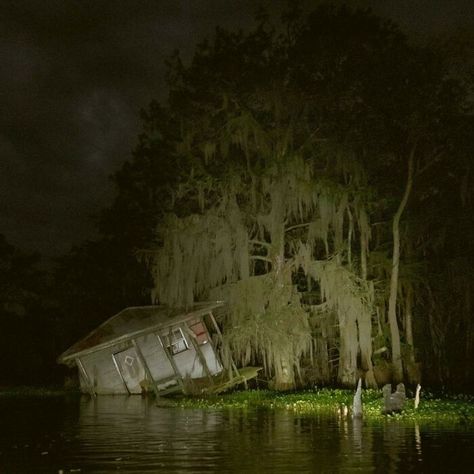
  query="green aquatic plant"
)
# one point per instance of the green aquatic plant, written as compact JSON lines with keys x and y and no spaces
{"x":338,"y":402}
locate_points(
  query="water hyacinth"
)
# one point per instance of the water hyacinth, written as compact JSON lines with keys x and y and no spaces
{"x":338,"y":402}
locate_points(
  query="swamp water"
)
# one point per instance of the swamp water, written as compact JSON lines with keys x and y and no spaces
{"x":132,"y":435}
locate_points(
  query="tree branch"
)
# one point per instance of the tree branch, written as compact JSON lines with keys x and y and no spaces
{"x":260,"y":242}
{"x":259,"y":257}
{"x":297,"y":226}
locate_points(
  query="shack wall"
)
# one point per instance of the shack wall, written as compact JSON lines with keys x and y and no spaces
{"x":189,"y":364}
{"x":109,"y":377}
{"x":103,"y":374}
{"x":155,"y":356}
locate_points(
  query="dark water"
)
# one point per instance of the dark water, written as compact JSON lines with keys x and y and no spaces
{"x":129,"y":434}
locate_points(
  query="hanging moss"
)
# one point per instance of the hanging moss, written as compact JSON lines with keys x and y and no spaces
{"x":258,"y":226}
{"x":266,"y":322}
{"x":352,"y":300}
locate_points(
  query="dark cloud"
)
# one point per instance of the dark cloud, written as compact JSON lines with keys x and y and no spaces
{"x":75,"y":74}
{"x":73,"y":78}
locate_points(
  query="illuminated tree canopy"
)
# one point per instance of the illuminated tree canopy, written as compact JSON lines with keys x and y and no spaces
{"x":295,"y":157}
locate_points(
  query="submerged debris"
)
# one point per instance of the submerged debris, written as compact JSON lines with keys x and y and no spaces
{"x":357,"y":404}
{"x":393,"y":402}
{"x":417,"y":396}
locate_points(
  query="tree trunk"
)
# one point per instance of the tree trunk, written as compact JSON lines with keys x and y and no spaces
{"x":284,"y":376}
{"x":348,"y":349}
{"x":413,"y":369}
{"x":409,"y":324}
{"x":364,"y":321}
{"x":392,"y":303}
{"x":284,"y":373}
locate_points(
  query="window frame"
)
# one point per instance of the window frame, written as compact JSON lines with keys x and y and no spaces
{"x":171,"y":344}
{"x":204,"y":332}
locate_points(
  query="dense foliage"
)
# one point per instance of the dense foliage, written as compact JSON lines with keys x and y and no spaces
{"x":25,"y":319}
{"x":310,"y":171}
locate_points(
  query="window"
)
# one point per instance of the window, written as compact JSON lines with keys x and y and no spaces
{"x":175,"y":341}
{"x":199,"y":330}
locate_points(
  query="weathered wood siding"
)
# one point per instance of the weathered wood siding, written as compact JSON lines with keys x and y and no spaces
{"x":102,"y":372}
{"x":190,"y":366}
{"x":107,"y":379}
{"x":155,"y":356}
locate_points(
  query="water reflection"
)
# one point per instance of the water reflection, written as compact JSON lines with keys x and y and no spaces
{"x":129,"y":434}
{"x":143,"y":436}
{"x":418,"y":442}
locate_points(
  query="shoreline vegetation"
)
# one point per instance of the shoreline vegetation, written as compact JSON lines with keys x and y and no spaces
{"x":329,"y":401}
{"x":433,"y":407}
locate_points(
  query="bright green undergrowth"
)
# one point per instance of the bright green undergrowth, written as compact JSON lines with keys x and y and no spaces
{"x":458,"y":408}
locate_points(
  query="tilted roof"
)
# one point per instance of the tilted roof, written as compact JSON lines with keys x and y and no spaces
{"x":133,"y":322}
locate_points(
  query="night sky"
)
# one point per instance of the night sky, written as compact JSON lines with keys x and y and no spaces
{"x":73,"y":77}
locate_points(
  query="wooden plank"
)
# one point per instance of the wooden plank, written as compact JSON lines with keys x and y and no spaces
{"x":120,"y":373}
{"x":219,"y":333}
{"x":172,"y":362}
{"x":247,"y":373}
{"x":85,"y":376}
{"x":211,"y":341}
{"x":187,"y":330}
{"x":145,"y":366}
{"x":173,"y":389}
{"x":166,"y":380}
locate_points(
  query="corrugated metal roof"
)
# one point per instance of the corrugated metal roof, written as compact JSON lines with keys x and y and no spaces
{"x":131,"y":322}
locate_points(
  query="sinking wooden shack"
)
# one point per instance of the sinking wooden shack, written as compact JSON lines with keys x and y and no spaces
{"x":155,"y":348}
